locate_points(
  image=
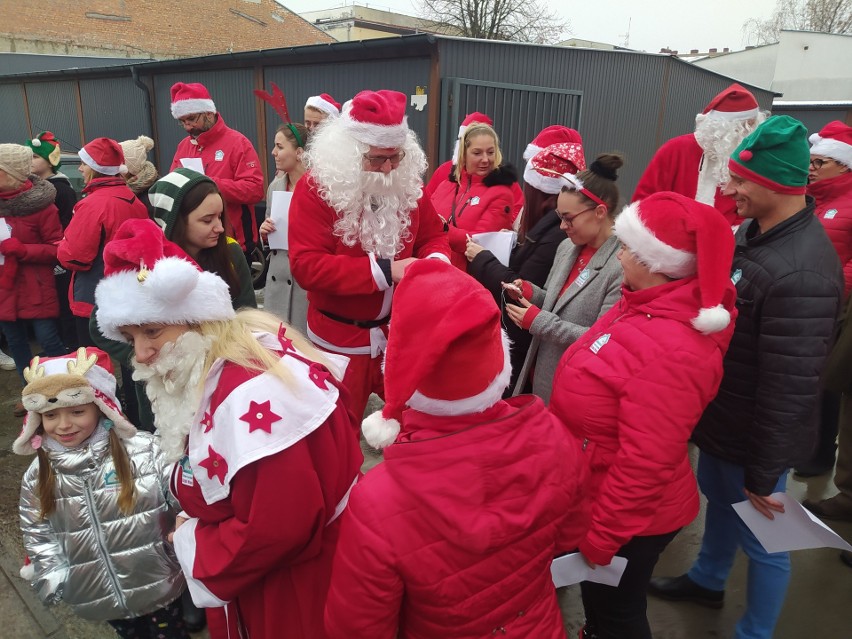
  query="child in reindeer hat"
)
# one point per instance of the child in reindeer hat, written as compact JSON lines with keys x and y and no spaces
{"x":94,"y":500}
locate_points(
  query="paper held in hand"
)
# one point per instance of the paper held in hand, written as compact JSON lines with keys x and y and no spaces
{"x":500,"y":243}
{"x":572,"y":569}
{"x":794,"y":529}
{"x":279,"y":211}
{"x":194,"y":164}
{"x":5,"y":234}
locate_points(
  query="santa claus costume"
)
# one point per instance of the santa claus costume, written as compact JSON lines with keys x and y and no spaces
{"x":696,"y":164}
{"x":348,"y":225}
{"x":257,"y":424}
{"x":452,"y":536}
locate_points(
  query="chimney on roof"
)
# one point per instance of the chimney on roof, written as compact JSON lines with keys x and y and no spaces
{"x":751,"y":46}
{"x":693,"y":52}
{"x":726,"y":50}
{"x":714,"y":50}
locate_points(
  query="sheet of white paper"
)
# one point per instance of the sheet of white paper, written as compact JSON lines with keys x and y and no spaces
{"x":279,"y":211}
{"x":5,"y":234}
{"x":794,"y":529}
{"x":500,"y":243}
{"x":193,"y":163}
{"x":572,"y":569}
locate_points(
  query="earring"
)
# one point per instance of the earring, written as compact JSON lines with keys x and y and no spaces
{"x":108,"y":424}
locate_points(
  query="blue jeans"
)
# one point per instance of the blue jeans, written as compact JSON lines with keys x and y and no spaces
{"x":46,"y":333}
{"x":768,"y":573}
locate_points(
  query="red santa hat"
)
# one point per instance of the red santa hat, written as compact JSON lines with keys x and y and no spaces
{"x":84,"y":377}
{"x":148,"y":279}
{"x":679,"y":237}
{"x":443,"y":359}
{"x":104,"y":156}
{"x":377,"y":118}
{"x":734,"y":103}
{"x":190,"y":98}
{"x":325,"y":103}
{"x":553,"y":134}
{"x":470,"y":118}
{"x":545,"y":168}
{"x":834,"y":141}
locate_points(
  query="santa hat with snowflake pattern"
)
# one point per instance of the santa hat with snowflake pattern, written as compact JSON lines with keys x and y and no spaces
{"x":553,"y":134}
{"x":679,"y":237}
{"x":834,"y":141}
{"x":544,"y":169}
{"x":428,"y":346}
{"x":148,"y":279}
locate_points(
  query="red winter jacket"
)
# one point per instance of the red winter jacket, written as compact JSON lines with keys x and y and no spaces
{"x":28,"y":290}
{"x":107,"y":202}
{"x":230,"y":160}
{"x":834,"y":209}
{"x":453,"y":535}
{"x":442,"y":174}
{"x":476,"y":204}
{"x":631,"y":390}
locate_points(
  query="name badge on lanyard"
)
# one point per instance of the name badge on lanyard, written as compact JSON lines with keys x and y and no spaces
{"x":583,"y":277}
{"x":186,"y":476}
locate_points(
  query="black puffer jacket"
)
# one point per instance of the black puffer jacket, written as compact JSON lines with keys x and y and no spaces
{"x":789,"y":289}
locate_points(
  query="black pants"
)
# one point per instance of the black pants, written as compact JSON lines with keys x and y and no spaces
{"x":84,"y":338}
{"x":165,"y":623}
{"x":619,"y":613}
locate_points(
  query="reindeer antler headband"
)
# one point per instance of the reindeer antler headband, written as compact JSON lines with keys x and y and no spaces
{"x":278,"y":102}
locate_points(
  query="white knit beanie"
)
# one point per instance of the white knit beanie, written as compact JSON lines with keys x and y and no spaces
{"x":16,"y":160}
{"x":136,"y":153}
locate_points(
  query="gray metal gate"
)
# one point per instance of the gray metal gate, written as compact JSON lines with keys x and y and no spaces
{"x":519,"y":112}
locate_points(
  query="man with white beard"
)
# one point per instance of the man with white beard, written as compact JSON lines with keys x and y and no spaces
{"x":358,"y":218}
{"x":696,"y":164}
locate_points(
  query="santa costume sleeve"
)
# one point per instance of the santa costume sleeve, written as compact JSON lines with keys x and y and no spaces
{"x":431,"y":241}
{"x":658,"y":174}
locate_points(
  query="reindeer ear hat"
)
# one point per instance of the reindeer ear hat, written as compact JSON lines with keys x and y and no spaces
{"x":71,"y":380}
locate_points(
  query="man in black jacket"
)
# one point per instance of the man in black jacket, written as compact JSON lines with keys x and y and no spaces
{"x":763,"y":421}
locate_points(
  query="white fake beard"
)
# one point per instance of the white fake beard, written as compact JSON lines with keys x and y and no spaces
{"x":173,"y":384}
{"x":718,"y":138}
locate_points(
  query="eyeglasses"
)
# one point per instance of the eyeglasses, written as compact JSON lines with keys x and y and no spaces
{"x":378,"y":161}
{"x":569,"y":219}
{"x":190,"y":120}
{"x":818,"y":163}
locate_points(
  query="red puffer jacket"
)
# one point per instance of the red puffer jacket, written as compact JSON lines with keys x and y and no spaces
{"x":28,"y":290}
{"x":631,"y":390}
{"x":453,"y":535}
{"x":442,"y":174}
{"x":476,"y":204}
{"x":834,"y":209}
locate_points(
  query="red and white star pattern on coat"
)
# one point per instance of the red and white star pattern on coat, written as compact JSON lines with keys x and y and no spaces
{"x":286,"y":344}
{"x":215,"y":465}
{"x":318,"y":375}
{"x":260,"y":416}
{"x":207,"y":422}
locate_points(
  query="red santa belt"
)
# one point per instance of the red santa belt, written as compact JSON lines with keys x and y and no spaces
{"x":359,"y":323}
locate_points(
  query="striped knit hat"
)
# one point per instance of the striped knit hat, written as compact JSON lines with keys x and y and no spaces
{"x":167,"y":193}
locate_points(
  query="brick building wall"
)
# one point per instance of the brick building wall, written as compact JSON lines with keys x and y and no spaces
{"x":155,"y":28}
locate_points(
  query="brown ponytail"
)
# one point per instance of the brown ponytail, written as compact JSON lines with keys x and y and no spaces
{"x":46,"y":486}
{"x":124,"y":472}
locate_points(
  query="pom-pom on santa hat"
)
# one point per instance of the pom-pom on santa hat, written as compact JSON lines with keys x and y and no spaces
{"x":190,"y":98}
{"x":544,"y":169}
{"x":553,"y":134}
{"x":834,"y":141}
{"x":443,"y":359}
{"x":734,"y":103}
{"x":377,"y":118}
{"x":325,"y":103}
{"x":150,"y":280}
{"x":104,"y":155}
{"x":47,"y":146}
{"x":679,"y":237}
{"x":775,"y":155}
{"x":84,"y":377}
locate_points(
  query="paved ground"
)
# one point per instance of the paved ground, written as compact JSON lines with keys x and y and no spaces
{"x":818,"y":604}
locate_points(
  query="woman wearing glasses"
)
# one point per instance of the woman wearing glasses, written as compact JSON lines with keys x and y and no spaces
{"x":477,"y":197}
{"x":585,"y":280}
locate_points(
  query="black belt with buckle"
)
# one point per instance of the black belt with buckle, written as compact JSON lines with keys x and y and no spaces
{"x":359,"y":323}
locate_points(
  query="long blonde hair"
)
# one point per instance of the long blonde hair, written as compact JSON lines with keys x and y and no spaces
{"x":234,"y":341}
{"x":474,"y":130}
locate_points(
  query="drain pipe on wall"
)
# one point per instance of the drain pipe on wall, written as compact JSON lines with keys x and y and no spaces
{"x":148,"y":109}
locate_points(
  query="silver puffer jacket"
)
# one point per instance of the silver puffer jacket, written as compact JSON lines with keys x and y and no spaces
{"x":105,"y":565}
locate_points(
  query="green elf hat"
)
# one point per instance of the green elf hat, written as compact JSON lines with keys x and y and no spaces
{"x":775,"y":155}
{"x":47,"y":147}
{"x":167,"y":193}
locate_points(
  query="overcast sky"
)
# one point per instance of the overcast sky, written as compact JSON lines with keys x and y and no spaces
{"x":684,"y":25}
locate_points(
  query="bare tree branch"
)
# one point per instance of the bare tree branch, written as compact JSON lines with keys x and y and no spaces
{"x":827,"y":16}
{"x":515,"y":20}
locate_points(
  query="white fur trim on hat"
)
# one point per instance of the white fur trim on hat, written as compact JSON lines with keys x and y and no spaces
{"x":105,"y":170}
{"x":658,"y":256}
{"x":531,"y":150}
{"x":320,"y":104}
{"x":183,"y":108}
{"x":834,"y":149}
{"x":733,"y":115}
{"x":712,"y":320}
{"x":175,"y":292}
{"x":545,"y":184}
{"x":383,"y":137}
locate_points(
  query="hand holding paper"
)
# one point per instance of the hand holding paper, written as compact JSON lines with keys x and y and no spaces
{"x":194,"y":164}
{"x":279,"y":212}
{"x":573,"y":568}
{"x":500,"y":243}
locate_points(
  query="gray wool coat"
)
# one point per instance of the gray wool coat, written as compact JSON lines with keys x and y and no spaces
{"x":565,"y":318}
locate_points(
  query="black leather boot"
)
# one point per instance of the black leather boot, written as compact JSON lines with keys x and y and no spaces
{"x":684,"y":589}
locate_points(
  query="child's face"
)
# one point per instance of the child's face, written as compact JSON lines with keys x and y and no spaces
{"x":71,"y":426}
